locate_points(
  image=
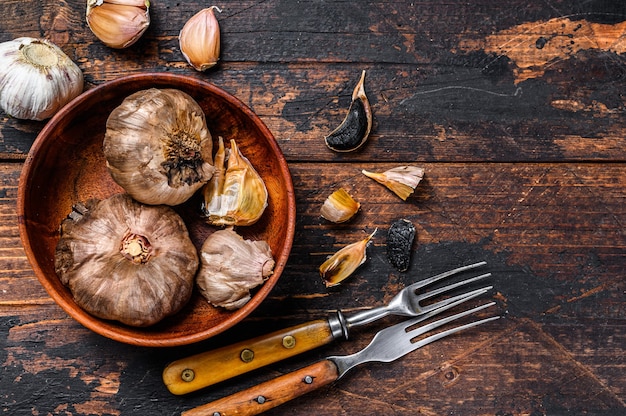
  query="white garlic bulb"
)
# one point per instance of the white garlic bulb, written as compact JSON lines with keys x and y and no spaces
{"x":231,"y":266}
{"x":36,"y":78}
{"x":158,"y":147}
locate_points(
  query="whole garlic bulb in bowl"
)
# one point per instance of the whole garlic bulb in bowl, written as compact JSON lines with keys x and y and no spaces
{"x":36,"y":78}
{"x":158,"y":147}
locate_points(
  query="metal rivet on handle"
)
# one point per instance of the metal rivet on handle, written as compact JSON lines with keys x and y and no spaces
{"x":289,"y":341}
{"x":308,"y":379}
{"x":188,"y":375}
{"x":260,"y":400}
{"x":247,"y":355}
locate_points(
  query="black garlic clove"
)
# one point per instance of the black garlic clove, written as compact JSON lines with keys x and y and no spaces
{"x":399,"y":241}
{"x":356,"y":126}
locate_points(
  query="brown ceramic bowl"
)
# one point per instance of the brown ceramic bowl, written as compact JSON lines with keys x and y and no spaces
{"x":66,"y":165}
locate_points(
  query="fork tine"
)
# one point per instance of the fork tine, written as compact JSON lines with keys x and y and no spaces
{"x":436,"y":324}
{"x":454,"y":300}
{"x":443,"y":275}
{"x":446,"y":304}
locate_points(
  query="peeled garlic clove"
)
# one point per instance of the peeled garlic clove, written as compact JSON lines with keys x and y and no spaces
{"x":36,"y":78}
{"x":339,"y":206}
{"x":157,"y":146}
{"x":236,"y":195}
{"x":118,"y":23}
{"x":343,"y":263}
{"x":126,"y":261}
{"x":399,"y":241}
{"x":356,"y":126}
{"x":402,"y":180}
{"x":200,"y":39}
{"x":230,"y":267}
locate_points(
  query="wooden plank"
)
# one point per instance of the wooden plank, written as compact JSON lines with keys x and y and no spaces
{"x":447,"y":89}
{"x":515,"y":110}
{"x":547,"y":273}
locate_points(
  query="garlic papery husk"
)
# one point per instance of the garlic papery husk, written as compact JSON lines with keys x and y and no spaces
{"x":126,"y":261}
{"x":402,"y":180}
{"x":200,"y":39}
{"x":36,"y":78}
{"x":157,"y":146}
{"x":230,"y":266}
{"x":343,"y":263}
{"x":339,"y":206}
{"x":118,"y":23}
{"x":236,"y":194}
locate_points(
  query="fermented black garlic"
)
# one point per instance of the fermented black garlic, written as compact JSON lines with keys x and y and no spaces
{"x":399,"y":241}
{"x":356,"y":126}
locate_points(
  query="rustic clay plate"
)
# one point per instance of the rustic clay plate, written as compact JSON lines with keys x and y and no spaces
{"x":66,"y":165}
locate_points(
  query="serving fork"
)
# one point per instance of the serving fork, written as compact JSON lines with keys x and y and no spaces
{"x":202,"y":370}
{"x":387,"y":345}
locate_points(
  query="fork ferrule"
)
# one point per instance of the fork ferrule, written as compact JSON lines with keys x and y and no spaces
{"x":338,"y":326}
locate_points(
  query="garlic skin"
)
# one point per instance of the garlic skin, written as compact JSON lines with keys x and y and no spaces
{"x":339,"y":207}
{"x":236,"y":194}
{"x":199,"y":39}
{"x":230,"y":267}
{"x":118,"y":23}
{"x":36,"y":78}
{"x":343,"y":263}
{"x":402,"y":180}
{"x":126,"y":261}
{"x":157,"y":146}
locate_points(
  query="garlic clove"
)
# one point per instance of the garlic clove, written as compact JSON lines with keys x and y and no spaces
{"x":200,"y":39}
{"x":343,"y":263}
{"x":118,"y":23}
{"x":339,"y":207}
{"x":236,"y":195}
{"x":355,"y":128}
{"x":231,"y":266}
{"x":402,"y":180}
{"x":400,"y":239}
{"x":36,"y":78}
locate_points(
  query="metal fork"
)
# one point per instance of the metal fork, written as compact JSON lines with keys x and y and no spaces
{"x":388,"y":345}
{"x":201,"y":370}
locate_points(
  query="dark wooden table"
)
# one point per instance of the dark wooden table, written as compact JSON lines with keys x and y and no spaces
{"x":515,"y":109}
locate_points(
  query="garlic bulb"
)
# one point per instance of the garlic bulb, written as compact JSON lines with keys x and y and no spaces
{"x":343,"y":263}
{"x":236,"y":194}
{"x":402,"y":180}
{"x":157,"y":146}
{"x":339,"y":207}
{"x":126,"y":261}
{"x":200,"y":39}
{"x":36,"y":78}
{"x":118,"y":23}
{"x":231,"y":266}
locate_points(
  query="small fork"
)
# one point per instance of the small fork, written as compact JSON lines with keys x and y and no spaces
{"x":201,"y":370}
{"x":388,"y":345}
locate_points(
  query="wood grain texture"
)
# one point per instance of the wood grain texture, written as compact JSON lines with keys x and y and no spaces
{"x":516,"y":112}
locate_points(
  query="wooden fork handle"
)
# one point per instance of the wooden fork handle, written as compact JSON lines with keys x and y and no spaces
{"x":270,"y":394}
{"x":207,"y":368}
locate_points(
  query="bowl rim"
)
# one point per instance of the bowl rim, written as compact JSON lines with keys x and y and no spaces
{"x":99,"y":325}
